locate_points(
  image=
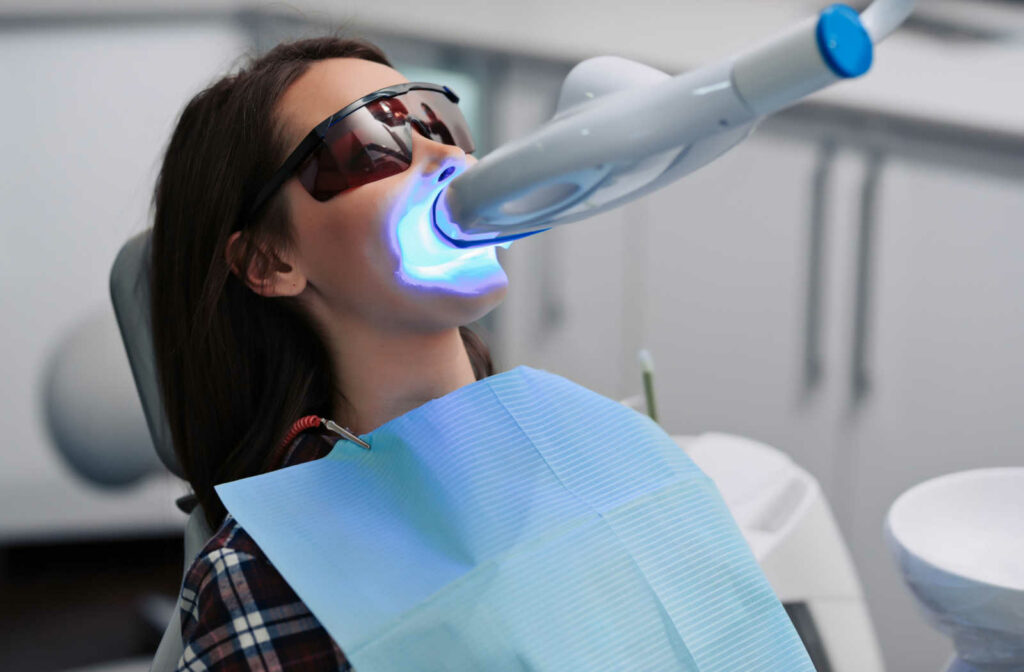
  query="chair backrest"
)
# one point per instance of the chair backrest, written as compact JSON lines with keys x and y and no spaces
{"x":168,"y":653}
{"x":129,"y":291}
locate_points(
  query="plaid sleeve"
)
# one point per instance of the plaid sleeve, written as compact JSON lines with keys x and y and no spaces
{"x":238,"y":613}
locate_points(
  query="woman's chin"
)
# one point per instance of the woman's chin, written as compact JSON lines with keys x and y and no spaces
{"x":469,"y":277}
{"x":437,"y":308}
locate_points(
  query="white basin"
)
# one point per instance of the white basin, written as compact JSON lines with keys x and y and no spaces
{"x":959,"y":542}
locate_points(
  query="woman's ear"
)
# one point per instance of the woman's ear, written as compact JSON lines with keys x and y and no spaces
{"x":265,"y":273}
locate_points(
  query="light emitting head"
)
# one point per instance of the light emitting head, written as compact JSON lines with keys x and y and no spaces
{"x":427,"y":260}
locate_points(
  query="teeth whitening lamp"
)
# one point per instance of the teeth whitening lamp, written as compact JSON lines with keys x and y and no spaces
{"x":623,"y":129}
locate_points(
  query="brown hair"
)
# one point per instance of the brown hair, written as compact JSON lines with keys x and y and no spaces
{"x":236,"y":369}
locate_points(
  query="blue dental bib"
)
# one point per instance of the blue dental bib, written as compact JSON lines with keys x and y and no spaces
{"x":519,"y":523}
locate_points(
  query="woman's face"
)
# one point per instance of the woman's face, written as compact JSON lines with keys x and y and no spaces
{"x":370,"y":253}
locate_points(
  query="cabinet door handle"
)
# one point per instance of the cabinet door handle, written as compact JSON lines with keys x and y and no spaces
{"x":860,"y":375}
{"x":813,"y":368}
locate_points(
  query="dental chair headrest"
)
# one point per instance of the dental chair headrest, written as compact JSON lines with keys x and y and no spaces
{"x":91,"y":405}
{"x":129,"y":291}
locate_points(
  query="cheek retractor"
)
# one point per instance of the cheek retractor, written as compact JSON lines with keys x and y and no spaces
{"x":428,"y":260}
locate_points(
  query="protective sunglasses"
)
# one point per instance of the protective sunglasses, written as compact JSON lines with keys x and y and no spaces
{"x":368,"y":140}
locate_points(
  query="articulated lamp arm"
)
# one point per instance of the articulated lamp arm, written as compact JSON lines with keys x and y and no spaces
{"x":623,"y":129}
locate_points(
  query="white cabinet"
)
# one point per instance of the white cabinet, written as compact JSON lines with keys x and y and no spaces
{"x":727,"y":281}
{"x":944,"y":365}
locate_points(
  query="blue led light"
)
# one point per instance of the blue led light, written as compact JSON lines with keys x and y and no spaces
{"x":426,"y":260}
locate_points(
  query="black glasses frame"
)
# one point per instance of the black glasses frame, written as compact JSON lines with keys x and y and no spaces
{"x":315,"y":138}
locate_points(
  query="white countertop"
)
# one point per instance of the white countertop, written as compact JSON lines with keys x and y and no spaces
{"x":56,"y":506}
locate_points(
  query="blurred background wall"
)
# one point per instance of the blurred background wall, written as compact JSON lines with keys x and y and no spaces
{"x":846,"y":285}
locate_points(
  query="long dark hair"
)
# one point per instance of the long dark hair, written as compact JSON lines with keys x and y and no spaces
{"x":236,"y":369}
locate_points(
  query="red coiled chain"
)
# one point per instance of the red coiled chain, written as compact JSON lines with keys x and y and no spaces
{"x":299,"y":426}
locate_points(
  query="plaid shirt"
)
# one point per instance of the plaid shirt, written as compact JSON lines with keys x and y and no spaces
{"x":238,"y":612}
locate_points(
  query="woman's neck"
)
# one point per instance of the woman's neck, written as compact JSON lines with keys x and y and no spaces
{"x":383,"y":375}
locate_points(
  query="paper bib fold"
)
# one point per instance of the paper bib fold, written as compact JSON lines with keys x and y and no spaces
{"x":519,"y":523}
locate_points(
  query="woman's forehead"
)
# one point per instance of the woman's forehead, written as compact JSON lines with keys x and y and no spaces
{"x":326,"y":87}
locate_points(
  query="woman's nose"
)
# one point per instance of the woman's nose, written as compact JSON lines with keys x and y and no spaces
{"x":437,"y":161}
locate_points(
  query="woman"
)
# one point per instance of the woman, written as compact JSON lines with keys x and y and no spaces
{"x":287,"y":285}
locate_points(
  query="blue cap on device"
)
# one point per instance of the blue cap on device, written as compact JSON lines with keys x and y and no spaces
{"x":844,"y":43}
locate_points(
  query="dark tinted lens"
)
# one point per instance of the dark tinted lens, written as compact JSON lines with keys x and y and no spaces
{"x":375,"y":141}
{"x":439,"y":118}
{"x":370,"y":144}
